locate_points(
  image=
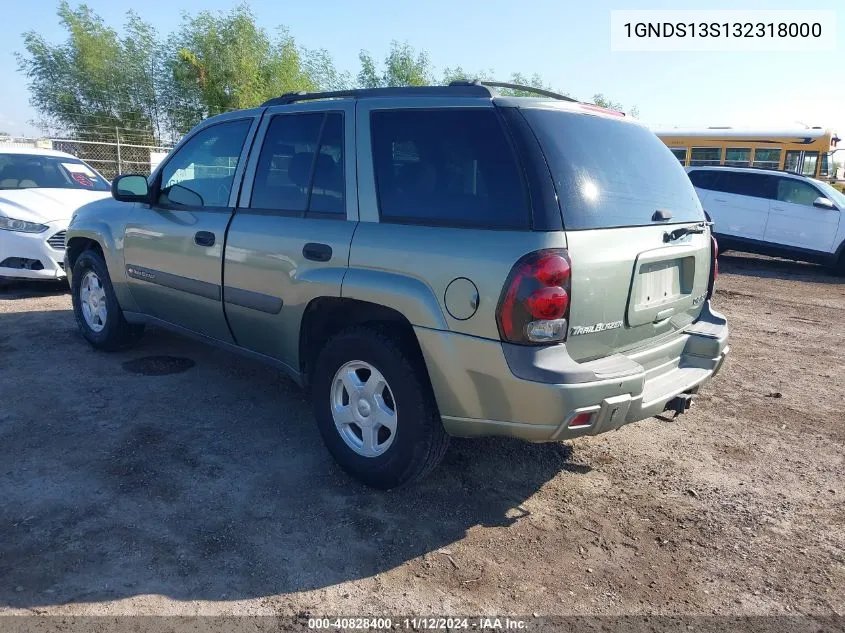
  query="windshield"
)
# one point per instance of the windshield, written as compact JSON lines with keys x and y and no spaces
{"x":611,"y":173}
{"x":831,"y":193}
{"x":33,"y":171}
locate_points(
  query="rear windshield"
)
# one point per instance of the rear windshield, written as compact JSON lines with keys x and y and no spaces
{"x":36,"y":171}
{"x":611,"y":173}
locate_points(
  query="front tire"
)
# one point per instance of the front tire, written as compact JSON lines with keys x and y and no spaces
{"x":375,"y":408}
{"x":838,"y":269}
{"x":95,"y":305}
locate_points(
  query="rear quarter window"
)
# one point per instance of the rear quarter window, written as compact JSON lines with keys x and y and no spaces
{"x":447,"y":167}
{"x":611,"y":173}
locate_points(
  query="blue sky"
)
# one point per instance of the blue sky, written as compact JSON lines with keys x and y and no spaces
{"x":567,"y":42}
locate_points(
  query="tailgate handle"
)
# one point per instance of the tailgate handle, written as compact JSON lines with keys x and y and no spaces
{"x":664,"y":314}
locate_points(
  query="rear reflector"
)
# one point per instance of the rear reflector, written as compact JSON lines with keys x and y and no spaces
{"x":581,"y":420}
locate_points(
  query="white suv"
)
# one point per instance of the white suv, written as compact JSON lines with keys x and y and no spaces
{"x":774,"y":213}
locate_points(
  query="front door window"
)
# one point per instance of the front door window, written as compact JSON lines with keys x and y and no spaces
{"x":201,"y":172}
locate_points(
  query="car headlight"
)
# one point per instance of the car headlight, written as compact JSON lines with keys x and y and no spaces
{"x":21,"y":226}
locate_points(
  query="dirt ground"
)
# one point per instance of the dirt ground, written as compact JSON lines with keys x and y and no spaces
{"x":209,"y":491}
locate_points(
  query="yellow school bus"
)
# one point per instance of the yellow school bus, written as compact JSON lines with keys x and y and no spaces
{"x":801,"y":150}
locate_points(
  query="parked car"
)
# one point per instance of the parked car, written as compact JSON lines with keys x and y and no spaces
{"x":774,"y":213}
{"x":428,"y":262}
{"x":39,"y":191}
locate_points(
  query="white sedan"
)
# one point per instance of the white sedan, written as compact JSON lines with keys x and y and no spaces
{"x":39,"y":192}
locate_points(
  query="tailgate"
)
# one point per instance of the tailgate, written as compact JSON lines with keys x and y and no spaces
{"x":630,"y":288}
{"x":637,"y":276}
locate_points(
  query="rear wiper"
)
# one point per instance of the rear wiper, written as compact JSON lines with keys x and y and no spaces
{"x":684,"y":230}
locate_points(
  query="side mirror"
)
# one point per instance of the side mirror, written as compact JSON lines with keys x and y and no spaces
{"x":823,"y":203}
{"x":130,"y":188}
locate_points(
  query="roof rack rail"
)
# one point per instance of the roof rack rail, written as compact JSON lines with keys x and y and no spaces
{"x":463,"y":90}
{"x":458,"y":88}
{"x":782,"y":171}
{"x":502,"y":84}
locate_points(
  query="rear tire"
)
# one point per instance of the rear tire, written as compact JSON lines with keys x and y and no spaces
{"x":95,"y":305}
{"x":350,"y":368}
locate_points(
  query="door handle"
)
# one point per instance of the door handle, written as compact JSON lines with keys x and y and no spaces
{"x":317,"y":252}
{"x":204,"y":238}
{"x":719,"y":200}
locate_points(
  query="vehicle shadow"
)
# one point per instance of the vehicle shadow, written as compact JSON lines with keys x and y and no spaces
{"x":14,"y":289}
{"x":207,"y":484}
{"x":774,"y":268}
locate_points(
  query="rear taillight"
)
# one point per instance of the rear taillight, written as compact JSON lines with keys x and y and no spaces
{"x":714,"y":265}
{"x":534,"y":307}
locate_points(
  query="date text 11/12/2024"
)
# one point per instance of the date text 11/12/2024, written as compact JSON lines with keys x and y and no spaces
{"x":418,"y":623}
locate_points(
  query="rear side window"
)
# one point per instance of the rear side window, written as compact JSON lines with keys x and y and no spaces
{"x":680,"y":153}
{"x":705,"y":156}
{"x":611,"y":173}
{"x":738,"y":157}
{"x":447,"y":168}
{"x":300,"y":168}
{"x":743,"y":184}
{"x":766,"y":157}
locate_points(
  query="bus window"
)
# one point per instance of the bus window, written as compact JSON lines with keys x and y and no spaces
{"x":808,"y":167}
{"x":705,"y":156}
{"x":738,"y":157}
{"x":793,"y":158}
{"x":680,"y":153}
{"x":768,"y":158}
{"x":824,"y":167}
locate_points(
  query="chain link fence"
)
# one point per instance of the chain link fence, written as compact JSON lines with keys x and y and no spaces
{"x":110,"y":159}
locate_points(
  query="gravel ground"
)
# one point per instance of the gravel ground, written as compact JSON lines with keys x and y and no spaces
{"x":207,"y":490}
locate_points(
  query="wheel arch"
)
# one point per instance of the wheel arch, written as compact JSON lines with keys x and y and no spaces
{"x":78,"y":245}
{"x":97,"y":236}
{"x":324,"y":317}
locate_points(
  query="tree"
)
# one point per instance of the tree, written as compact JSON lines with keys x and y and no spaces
{"x":403,"y":66}
{"x":602,"y":101}
{"x":224,"y":61}
{"x":95,"y":81}
{"x":320,"y":68}
{"x":99,"y":84}
{"x":534,"y":81}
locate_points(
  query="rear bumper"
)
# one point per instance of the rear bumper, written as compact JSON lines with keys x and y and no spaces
{"x":31,"y":255}
{"x":485,"y":387}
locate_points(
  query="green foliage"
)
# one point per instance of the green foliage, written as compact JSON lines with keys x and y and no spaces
{"x":533,"y":81}
{"x":224,"y":61}
{"x":403,"y":66}
{"x":600,"y":100}
{"x":100,"y":82}
{"x":96,"y":80}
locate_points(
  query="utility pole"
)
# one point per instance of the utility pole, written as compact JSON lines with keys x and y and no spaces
{"x":117,"y":136}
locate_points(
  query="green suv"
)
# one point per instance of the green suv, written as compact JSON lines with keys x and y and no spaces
{"x":428,"y":262}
